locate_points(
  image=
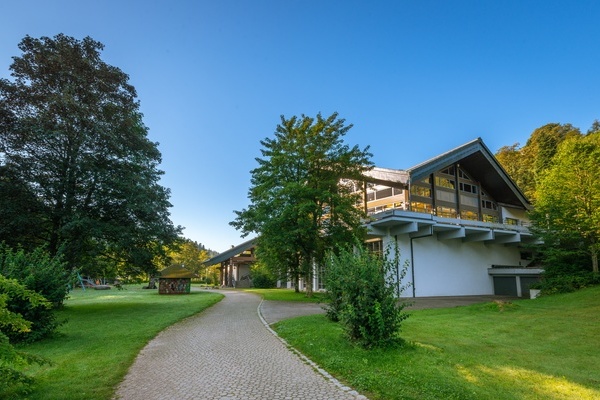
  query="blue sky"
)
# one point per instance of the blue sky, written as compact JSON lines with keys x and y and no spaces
{"x":415,"y":78}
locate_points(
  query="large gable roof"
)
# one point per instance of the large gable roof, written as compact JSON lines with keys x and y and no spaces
{"x":482,"y":166}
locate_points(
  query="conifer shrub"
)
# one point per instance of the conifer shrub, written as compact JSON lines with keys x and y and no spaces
{"x":363,"y":291}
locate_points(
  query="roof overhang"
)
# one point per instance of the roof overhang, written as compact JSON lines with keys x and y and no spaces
{"x":234,"y":251}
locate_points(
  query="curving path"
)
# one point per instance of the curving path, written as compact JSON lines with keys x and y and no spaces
{"x":226,"y":352}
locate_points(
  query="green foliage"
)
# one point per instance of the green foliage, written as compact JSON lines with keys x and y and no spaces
{"x":565,"y":283}
{"x":73,"y":139}
{"x":43,"y":274}
{"x":362,"y":288}
{"x":567,"y":210}
{"x":262,"y":277}
{"x":302,"y":198}
{"x":14,"y":383}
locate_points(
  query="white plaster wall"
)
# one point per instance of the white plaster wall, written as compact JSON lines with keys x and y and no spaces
{"x":453,"y":267}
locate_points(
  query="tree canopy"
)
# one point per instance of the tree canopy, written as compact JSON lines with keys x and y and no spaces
{"x":302,"y":194}
{"x":567,"y":213}
{"x":74,"y":147}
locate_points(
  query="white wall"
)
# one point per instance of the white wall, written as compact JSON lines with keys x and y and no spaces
{"x":453,"y":267}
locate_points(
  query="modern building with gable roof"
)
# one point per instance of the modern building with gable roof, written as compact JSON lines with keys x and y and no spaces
{"x":459,"y":221}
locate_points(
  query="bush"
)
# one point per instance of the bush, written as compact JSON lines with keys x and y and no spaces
{"x":262,"y":278}
{"x":39,"y":272}
{"x":361,"y":287}
{"x":14,"y":383}
{"x":551,"y":284}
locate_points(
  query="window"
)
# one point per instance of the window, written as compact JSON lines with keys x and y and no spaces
{"x":420,"y":207}
{"x":375,"y":246}
{"x":462,"y":174}
{"x":448,"y":171}
{"x":511,"y":221}
{"x":470,"y":215}
{"x":490,"y":218}
{"x":420,"y":191}
{"x":384,"y":193}
{"x":467,"y":187}
{"x":444,"y":182}
{"x":490,"y":205}
{"x":446,"y":212}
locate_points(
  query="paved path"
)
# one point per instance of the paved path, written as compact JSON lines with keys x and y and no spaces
{"x":225,"y":353}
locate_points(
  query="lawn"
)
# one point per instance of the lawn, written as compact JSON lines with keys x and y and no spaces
{"x":104,"y":332}
{"x":287,"y":295}
{"x":545,"y":348}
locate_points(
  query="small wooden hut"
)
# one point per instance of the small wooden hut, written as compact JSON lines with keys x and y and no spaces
{"x":175,"y":280}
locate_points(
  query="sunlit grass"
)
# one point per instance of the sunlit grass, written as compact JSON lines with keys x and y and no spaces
{"x":531,"y":349}
{"x":287,"y":295}
{"x":104,"y":332}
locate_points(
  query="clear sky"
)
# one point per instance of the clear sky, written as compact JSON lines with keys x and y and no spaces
{"x":415,"y":78}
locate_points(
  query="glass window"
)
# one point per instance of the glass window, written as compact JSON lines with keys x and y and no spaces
{"x":444,"y":182}
{"x":448,"y":171}
{"x":421,"y":207}
{"x":384,"y":193}
{"x":511,"y":221}
{"x":467,"y":187}
{"x":420,"y":191}
{"x":490,"y":218}
{"x":470,"y":215}
{"x":446,"y":212}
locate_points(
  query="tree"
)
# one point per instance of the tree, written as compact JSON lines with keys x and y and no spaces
{"x":567,"y":213}
{"x":302,"y":198}
{"x":527,"y":164}
{"x":190,"y":254}
{"x":72,"y":133}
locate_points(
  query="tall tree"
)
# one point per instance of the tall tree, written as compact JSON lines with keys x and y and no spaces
{"x":302,"y":199}
{"x":71,"y":129}
{"x":567,"y":213}
{"x":526,"y":165}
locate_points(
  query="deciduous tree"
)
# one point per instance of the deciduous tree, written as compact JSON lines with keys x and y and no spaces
{"x":567,"y":212}
{"x":72,"y":132}
{"x":302,"y":199}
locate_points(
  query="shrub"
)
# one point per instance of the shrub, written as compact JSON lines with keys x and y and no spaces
{"x":551,"y":284}
{"x":262,"y":278}
{"x":362,"y":289}
{"x":39,"y":272}
{"x":14,"y":383}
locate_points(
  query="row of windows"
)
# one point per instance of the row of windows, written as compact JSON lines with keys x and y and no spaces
{"x":383,"y":193}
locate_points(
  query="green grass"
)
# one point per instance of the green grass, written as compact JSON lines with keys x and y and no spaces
{"x":287,"y":295}
{"x":105,"y":330}
{"x":545,"y":348}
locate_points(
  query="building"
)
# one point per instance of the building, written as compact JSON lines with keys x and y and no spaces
{"x":458,"y":219}
{"x":235,"y":263}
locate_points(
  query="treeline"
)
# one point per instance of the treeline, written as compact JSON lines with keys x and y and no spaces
{"x":559,"y":171}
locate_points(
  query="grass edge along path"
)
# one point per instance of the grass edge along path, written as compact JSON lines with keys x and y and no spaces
{"x":287,"y":295}
{"x":527,"y":349}
{"x":105,"y":331}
